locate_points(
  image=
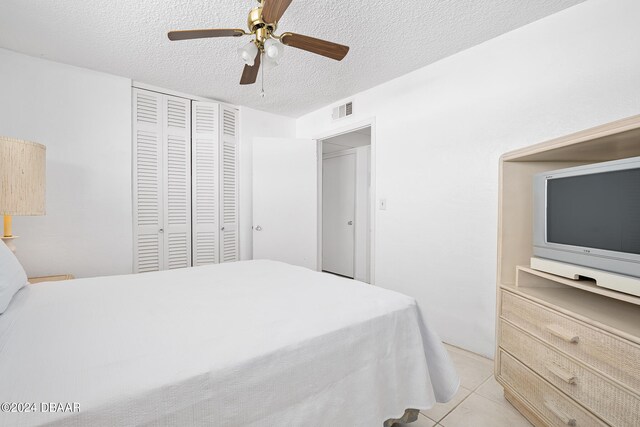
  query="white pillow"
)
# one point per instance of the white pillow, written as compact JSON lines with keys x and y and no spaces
{"x":12,"y":276}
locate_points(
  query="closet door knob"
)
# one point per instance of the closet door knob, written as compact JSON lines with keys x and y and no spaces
{"x":350,"y":223}
{"x":161,"y":230}
{"x":258,"y":228}
{"x":222,"y":229}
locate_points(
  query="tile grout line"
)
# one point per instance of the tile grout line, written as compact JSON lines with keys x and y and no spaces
{"x":482,"y":383}
{"x":472,"y":391}
{"x":459,"y":403}
{"x":466,"y":352}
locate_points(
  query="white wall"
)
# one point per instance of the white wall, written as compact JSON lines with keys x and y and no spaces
{"x":84,"y":119}
{"x":439,"y":134}
{"x":255,"y":124}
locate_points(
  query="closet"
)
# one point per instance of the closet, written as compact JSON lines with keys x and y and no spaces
{"x":185,"y":182}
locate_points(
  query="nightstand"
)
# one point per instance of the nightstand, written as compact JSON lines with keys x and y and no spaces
{"x":34,"y":280}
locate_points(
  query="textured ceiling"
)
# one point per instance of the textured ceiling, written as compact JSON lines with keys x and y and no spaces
{"x":387,"y":38}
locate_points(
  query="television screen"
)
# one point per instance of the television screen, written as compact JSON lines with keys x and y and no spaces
{"x":599,"y":210}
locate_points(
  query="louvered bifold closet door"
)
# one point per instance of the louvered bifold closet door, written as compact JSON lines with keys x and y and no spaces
{"x":147,"y":181}
{"x":205,"y":133}
{"x":177,"y":182}
{"x":229,"y":250}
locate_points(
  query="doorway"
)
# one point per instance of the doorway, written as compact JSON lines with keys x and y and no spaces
{"x":346,"y":205}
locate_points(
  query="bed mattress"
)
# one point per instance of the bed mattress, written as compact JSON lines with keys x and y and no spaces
{"x":254,"y":343}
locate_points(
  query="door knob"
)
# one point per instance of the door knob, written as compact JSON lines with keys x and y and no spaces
{"x":350,"y":223}
{"x":161,"y":230}
{"x":222,"y":229}
{"x":258,"y":228}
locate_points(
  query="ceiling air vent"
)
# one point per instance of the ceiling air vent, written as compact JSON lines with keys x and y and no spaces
{"x":342,"y":111}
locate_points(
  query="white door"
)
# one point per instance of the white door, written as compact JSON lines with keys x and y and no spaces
{"x":177,"y":182}
{"x":204,"y":182}
{"x":338,"y":214}
{"x":148,"y":220}
{"x":285,"y":201}
{"x":161,"y":179}
{"x":229,"y":215}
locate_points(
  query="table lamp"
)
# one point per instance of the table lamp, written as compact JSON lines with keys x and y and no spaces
{"x":22,"y":182}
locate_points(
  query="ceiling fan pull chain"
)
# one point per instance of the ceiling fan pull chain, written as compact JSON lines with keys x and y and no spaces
{"x":262,"y":94}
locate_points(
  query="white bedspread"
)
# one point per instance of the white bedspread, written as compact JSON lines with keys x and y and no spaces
{"x":255,"y":343}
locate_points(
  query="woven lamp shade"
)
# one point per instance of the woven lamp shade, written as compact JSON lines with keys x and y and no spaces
{"x":22,"y":177}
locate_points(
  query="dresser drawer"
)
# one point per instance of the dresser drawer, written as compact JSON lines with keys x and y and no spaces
{"x":608,"y":400}
{"x":554,"y":406}
{"x":606,"y":353}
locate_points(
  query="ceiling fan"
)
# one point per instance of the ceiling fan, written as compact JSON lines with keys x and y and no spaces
{"x":262,"y":23}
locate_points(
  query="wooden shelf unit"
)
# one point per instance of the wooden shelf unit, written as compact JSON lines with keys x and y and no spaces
{"x":600,"y":310}
{"x":529,"y":278}
{"x":55,"y":278}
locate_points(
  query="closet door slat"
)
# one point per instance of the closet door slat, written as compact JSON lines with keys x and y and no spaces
{"x":177,"y":182}
{"x":147,"y":181}
{"x":205,"y":171}
{"x":229,"y":241}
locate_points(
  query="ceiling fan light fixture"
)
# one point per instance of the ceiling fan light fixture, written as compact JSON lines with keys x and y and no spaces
{"x":269,"y":63}
{"x":273,"y":48}
{"x":248,"y":53}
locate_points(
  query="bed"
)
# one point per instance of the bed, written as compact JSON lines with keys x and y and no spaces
{"x":253,"y":343}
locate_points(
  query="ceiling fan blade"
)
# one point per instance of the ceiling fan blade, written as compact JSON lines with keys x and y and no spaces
{"x":321,"y":47}
{"x":203,"y":34}
{"x":250,"y":74}
{"x":272,"y":10}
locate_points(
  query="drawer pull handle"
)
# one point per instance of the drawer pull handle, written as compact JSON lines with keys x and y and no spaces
{"x":561,"y":373}
{"x":560,"y":414}
{"x":563,"y":334}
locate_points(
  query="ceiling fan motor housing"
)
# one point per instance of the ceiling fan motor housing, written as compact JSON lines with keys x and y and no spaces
{"x":258,"y":26}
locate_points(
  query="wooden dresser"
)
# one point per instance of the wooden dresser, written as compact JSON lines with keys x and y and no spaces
{"x":568,"y":352}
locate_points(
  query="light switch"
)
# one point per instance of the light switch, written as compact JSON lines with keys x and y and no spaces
{"x":382,"y":204}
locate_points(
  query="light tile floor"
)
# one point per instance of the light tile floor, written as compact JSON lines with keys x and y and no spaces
{"x":480,"y":401}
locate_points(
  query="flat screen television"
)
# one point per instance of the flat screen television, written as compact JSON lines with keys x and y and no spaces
{"x":590,"y":216}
